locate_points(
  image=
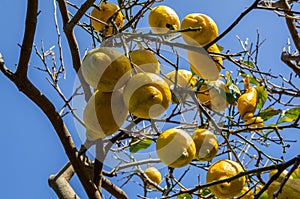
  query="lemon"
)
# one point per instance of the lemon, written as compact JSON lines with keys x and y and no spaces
{"x":289,"y":191}
{"x":153,"y":174}
{"x":203,"y":65}
{"x":183,"y":78}
{"x":206,"y":144}
{"x":281,"y":176}
{"x":105,"y":11}
{"x":255,"y":122}
{"x":212,"y":94}
{"x":145,"y":61}
{"x":207,"y":32}
{"x":147,"y":95}
{"x":223,"y":169}
{"x":104,"y":114}
{"x":296,"y":173}
{"x":249,"y":195}
{"x":106,"y":69}
{"x":162,"y":19}
{"x":175,"y":148}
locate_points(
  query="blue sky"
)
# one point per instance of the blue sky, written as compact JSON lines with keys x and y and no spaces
{"x":31,"y":149}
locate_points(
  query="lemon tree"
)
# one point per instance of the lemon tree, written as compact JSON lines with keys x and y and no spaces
{"x":153,"y":99}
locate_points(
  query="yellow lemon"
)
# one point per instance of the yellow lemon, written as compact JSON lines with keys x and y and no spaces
{"x":281,"y":176}
{"x":289,"y":191}
{"x":104,"y":12}
{"x":183,"y":78}
{"x":207,"y":32}
{"x":247,"y":101}
{"x":147,"y":95}
{"x":145,"y":61}
{"x":106,"y":69}
{"x":175,"y":148}
{"x":249,"y":195}
{"x":104,"y":114}
{"x":153,"y":174}
{"x":213,"y":95}
{"x":203,"y":65}
{"x":223,"y":169}
{"x":206,"y":144}
{"x":255,"y":122}
{"x":162,"y":19}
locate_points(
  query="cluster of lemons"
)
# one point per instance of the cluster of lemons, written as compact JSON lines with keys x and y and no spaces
{"x":134,"y":85}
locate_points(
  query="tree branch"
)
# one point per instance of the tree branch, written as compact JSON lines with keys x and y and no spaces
{"x":30,"y":27}
{"x":69,"y":32}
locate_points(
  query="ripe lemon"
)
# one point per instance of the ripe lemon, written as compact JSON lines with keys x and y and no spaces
{"x":207,"y":33}
{"x":249,"y":195}
{"x":183,"y":78}
{"x":206,"y":144}
{"x":175,"y":148}
{"x":145,"y":61}
{"x":255,"y":122}
{"x":289,"y":191}
{"x":147,"y":95}
{"x":203,"y":65}
{"x":223,"y":169}
{"x":247,"y":101}
{"x":162,"y":19}
{"x":281,"y":176}
{"x":104,"y":114}
{"x":106,"y":69}
{"x":213,"y":95}
{"x":105,"y":11}
{"x":153,"y":174}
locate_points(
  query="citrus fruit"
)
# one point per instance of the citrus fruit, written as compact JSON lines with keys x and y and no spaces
{"x":255,"y":122}
{"x":249,"y":195}
{"x":106,"y":69}
{"x":264,"y":195}
{"x":289,"y":191}
{"x":153,"y":174}
{"x":281,"y":176}
{"x":175,"y":148}
{"x":103,"y":13}
{"x":147,"y":95}
{"x":212,"y":94}
{"x":221,"y":170}
{"x":182,"y":78}
{"x":145,"y":61}
{"x":203,"y":65}
{"x":207,"y":32}
{"x":217,"y":58}
{"x":104,"y":114}
{"x":296,"y":173}
{"x":247,"y":101}
{"x":162,"y":19}
{"x":206,"y":144}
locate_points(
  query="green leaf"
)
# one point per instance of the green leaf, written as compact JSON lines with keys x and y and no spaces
{"x":262,"y":96}
{"x":231,"y":85}
{"x":138,"y":144}
{"x":249,"y":64}
{"x":293,"y":113}
{"x":184,"y":196}
{"x":230,"y":98}
{"x":269,"y":113}
{"x":221,"y":48}
{"x":289,"y":115}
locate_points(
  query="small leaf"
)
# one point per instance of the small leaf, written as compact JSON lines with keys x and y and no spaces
{"x":269,"y":113}
{"x":262,"y":96}
{"x":230,"y":98}
{"x":293,"y":113}
{"x":138,"y":144}
{"x":231,"y":85}
{"x":221,"y":48}
{"x":234,"y":88}
{"x":184,"y":196}
{"x":249,"y":64}
{"x":289,"y":115}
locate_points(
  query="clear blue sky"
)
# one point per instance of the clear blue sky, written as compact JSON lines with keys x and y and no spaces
{"x":31,"y":151}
